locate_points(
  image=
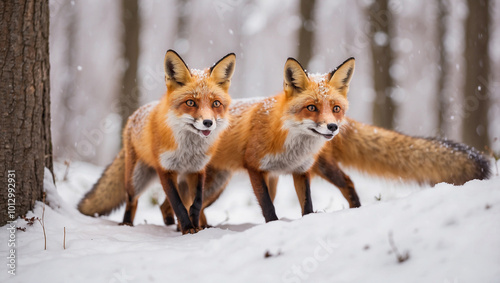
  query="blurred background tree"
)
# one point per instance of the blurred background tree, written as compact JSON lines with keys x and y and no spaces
{"x":441,"y":97}
{"x":129,"y":93}
{"x":306,"y":32}
{"x":68,"y":85}
{"x":181,"y":38}
{"x":477,"y":74}
{"x":380,"y":19}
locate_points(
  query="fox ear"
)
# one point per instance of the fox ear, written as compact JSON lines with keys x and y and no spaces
{"x":296,"y":79}
{"x":340,"y":78}
{"x":177,"y":72}
{"x":223,"y":70}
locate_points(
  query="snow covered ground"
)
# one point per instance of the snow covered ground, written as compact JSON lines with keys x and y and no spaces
{"x":450,"y":234}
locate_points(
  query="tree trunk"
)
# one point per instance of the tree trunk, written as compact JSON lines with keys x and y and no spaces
{"x":129,"y":94}
{"x":26,"y":147}
{"x":380,"y":20}
{"x":477,"y":71}
{"x":66,"y":134}
{"x":181,"y":43}
{"x":306,"y":32}
{"x":443,"y":68}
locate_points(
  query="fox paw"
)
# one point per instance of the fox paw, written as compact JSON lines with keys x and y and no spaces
{"x":191,"y":231}
{"x":126,"y":224}
{"x":169,"y":220}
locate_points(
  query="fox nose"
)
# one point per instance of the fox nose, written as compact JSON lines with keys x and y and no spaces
{"x":332,"y":127}
{"x":208,"y":123}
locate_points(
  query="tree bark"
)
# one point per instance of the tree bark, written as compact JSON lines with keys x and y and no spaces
{"x":26,"y":147}
{"x":306,"y":32}
{"x":129,"y":94}
{"x":380,"y":21}
{"x":477,"y":71}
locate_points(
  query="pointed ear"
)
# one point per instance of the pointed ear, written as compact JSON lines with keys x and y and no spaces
{"x":223,"y":70}
{"x":177,"y":72}
{"x":295,"y":78}
{"x":340,"y":78}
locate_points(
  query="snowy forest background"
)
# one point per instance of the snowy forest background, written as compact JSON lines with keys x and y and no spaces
{"x":95,"y":79}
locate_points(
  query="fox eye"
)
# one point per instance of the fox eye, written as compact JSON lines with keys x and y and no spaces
{"x":311,"y":108}
{"x":336,"y":109}
{"x":190,"y":103}
{"x":216,"y":103}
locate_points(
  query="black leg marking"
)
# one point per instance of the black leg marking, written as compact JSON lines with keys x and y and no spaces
{"x":194,"y":211}
{"x":262,"y":193}
{"x":175,"y":201}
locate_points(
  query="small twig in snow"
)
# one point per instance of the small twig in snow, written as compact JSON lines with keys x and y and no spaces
{"x":42,"y":222}
{"x":401,"y":257}
{"x":66,"y":172}
{"x":269,"y":254}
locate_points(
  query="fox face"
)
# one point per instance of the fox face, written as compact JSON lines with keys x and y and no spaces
{"x":198,"y":99}
{"x":312,"y":108}
{"x":316,"y":103}
{"x":197,"y":106}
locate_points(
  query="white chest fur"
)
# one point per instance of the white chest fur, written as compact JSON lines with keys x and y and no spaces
{"x":297,"y":157}
{"x":190,"y":155}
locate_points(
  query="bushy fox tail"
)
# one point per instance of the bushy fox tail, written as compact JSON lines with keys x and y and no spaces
{"x":109,"y":191}
{"x":391,"y":154}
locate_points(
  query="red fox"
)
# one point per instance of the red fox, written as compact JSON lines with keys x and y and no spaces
{"x":367,"y":148}
{"x":283,"y":134}
{"x":177,"y":135}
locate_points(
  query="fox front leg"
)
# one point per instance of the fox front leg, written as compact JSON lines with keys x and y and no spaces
{"x":196,"y":182}
{"x":258,"y":180}
{"x":168,"y":180}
